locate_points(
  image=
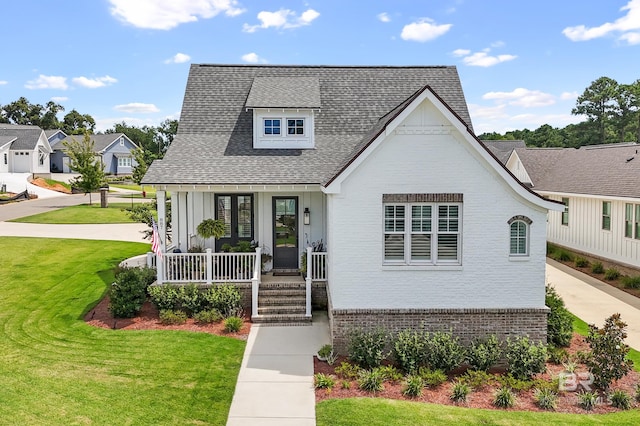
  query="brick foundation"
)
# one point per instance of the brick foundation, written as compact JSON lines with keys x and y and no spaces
{"x":319,"y":296}
{"x":463,"y":323}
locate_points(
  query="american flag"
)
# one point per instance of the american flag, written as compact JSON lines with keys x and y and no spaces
{"x":156,"y":245}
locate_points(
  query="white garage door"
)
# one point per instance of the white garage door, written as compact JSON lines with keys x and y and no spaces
{"x":21,"y":162}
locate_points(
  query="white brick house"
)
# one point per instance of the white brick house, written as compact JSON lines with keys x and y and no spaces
{"x":421,"y":224}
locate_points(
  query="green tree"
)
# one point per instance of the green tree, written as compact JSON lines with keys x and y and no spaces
{"x":166,"y":132}
{"x":22,"y":112}
{"x":143,"y":161}
{"x":49,"y":120}
{"x":632,"y":97}
{"x":75,"y":123}
{"x":598,"y":104}
{"x":82,"y":160}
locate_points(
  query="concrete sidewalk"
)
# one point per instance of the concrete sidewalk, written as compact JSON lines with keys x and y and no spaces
{"x":593,"y":301}
{"x":275,"y":383}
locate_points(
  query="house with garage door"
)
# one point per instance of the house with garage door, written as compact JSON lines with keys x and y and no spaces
{"x":23,"y":149}
{"x":599,"y":186}
{"x":113,"y":150}
{"x":371,"y":182}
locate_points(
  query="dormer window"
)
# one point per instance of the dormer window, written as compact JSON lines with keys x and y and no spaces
{"x":271,"y":126}
{"x":295,"y":126}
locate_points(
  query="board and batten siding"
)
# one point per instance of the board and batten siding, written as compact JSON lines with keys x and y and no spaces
{"x":584,"y":231}
{"x":428,"y":155}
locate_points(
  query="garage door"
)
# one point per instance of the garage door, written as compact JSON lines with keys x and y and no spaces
{"x":21,"y":162}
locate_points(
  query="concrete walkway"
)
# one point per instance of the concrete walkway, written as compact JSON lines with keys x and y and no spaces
{"x":593,"y":301}
{"x":275,"y":383}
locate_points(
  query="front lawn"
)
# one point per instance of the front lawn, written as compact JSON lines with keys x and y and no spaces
{"x":81,"y":214}
{"x":55,"y":369}
{"x":150,"y":192}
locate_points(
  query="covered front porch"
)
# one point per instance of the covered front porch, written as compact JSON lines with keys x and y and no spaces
{"x":270,"y":236}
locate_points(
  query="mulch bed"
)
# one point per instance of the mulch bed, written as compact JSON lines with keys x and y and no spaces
{"x":57,"y":187}
{"x":149,"y":319}
{"x":480,"y":398}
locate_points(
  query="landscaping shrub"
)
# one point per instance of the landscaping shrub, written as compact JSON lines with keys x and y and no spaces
{"x":370,"y":381}
{"x":129,"y":291}
{"x":171,"y":317}
{"x":323,"y":381}
{"x":637,"y":392}
{"x":459,"y":392}
{"x":557,"y":355}
{"x":345,"y":384}
{"x":482,"y":354}
{"x":611,"y":274}
{"x":478,"y":379}
{"x":207,"y":317}
{"x":517,"y":385}
{"x":587,"y":400}
{"x":232,"y":324}
{"x":581,"y":262}
{"x":525,"y":358}
{"x":366,"y":348}
{"x":389,"y":373}
{"x":164,"y":296}
{"x":562,"y":255}
{"x":559,"y":321}
{"x":348,"y":371}
{"x":443,"y":352}
{"x":409,"y":350}
{"x":608,"y":360}
{"x":582,"y":356}
{"x":545,"y":398}
{"x":413,"y":386}
{"x":504,"y":398}
{"x":631,"y":282}
{"x":189,"y":298}
{"x":597,"y":268}
{"x":620,"y":399}
{"x":432,"y":378}
{"x":224,"y":298}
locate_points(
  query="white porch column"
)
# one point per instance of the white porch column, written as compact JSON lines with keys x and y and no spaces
{"x":181,"y":223}
{"x":255,"y":282}
{"x":161,"y":197}
{"x":209,"y":266}
{"x":308,"y":281}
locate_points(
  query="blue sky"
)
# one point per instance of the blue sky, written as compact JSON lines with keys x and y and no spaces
{"x":522,"y":63}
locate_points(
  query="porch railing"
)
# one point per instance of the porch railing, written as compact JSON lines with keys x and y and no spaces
{"x":316,"y":271}
{"x":208,"y":267}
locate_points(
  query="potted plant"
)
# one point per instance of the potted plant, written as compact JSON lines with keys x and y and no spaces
{"x":211,"y":228}
{"x":325,"y":352}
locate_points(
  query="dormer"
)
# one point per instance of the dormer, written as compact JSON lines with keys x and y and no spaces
{"x":283,"y":111}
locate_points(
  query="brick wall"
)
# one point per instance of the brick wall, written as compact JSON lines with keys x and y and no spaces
{"x":319,"y":296}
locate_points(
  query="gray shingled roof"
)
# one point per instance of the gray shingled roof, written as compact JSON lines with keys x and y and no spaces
{"x":26,"y":136}
{"x":214,"y":143}
{"x":605,"y":170}
{"x":100,"y":142}
{"x":502,"y":149}
{"x":284,"y":92}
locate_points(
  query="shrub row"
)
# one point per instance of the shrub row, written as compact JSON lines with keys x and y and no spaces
{"x":224,"y":299}
{"x":129,"y":291}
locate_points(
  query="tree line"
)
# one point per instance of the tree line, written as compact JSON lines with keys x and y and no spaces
{"x":612,"y":112}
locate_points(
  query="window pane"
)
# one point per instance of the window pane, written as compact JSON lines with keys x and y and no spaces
{"x":224,"y":213}
{"x":394,"y":247}
{"x":421,"y":218}
{"x":518,"y":241}
{"x":448,"y":218}
{"x":244,"y":216}
{"x":420,"y":247}
{"x":447,"y":247}
{"x":394,"y":218}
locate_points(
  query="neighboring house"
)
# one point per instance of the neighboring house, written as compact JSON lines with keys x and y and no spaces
{"x":113,"y":149}
{"x":420,"y":223}
{"x":24,"y":149}
{"x":600,"y":187}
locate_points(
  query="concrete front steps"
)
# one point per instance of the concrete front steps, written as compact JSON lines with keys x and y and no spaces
{"x":282,"y":303}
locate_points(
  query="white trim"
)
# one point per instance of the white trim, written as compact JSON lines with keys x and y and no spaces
{"x":285,"y":188}
{"x":597,"y":197}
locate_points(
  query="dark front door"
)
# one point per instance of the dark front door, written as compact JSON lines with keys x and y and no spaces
{"x":285,"y":232}
{"x":236,"y":211}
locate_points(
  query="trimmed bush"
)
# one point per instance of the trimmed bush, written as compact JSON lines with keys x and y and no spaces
{"x":516,"y":385}
{"x":581,"y":262}
{"x":631,"y":282}
{"x":459,"y":392}
{"x":409,"y":350}
{"x":562,"y":255}
{"x":225,"y":298}
{"x":559,"y":321}
{"x":478,"y":379}
{"x":323,"y":381}
{"x":189,"y":298}
{"x":482,"y":354}
{"x":588,"y":400}
{"x":432,"y":378}
{"x":504,"y":398}
{"x":164,"y":296}
{"x":620,"y":399}
{"x":545,"y":398}
{"x":366,"y":348}
{"x":389,"y":373}
{"x":557,"y":355}
{"x":525,"y":358}
{"x":608,"y":360}
{"x":597,"y":268}
{"x":611,"y":274}
{"x":232,"y":324}
{"x":171,"y":317}
{"x":129,"y":291}
{"x":370,"y":381}
{"x":207,"y":317}
{"x":413,"y":386}
{"x":348,"y":371}
{"x":637,"y":392}
{"x":443,"y":352}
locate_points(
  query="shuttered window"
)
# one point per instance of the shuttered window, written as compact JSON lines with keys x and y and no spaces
{"x":422,"y":233}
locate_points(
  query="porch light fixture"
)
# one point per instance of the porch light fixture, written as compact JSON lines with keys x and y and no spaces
{"x":307,"y":216}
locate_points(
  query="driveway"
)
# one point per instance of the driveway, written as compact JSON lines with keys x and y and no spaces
{"x":18,"y":182}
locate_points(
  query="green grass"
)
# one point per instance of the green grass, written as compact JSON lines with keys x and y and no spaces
{"x":55,"y":369}
{"x":53,"y":182}
{"x":83,"y":213}
{"x":385,"y":412}
{"x":151,"y":193}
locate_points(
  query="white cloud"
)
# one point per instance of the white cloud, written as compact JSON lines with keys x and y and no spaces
{"x":253,"y":58}
{"x":94,"y":83}
{"x":3,"y":82}
{"x":58,"y":99}
{"x":168,"y":14}
{"x":384,"y":17}
{"x":461,"y":52}
{"x":627,"y":25}
{"x":282,"y":19}
{"x":483,"y":59}
{"x":567,"y":96}
{"x":488,"y":113}
{"x":48,"y":82}
{"x":137,"y":108}
{"x":178,"y":58}
{"x":423,"y":30}
{"x":522,"y":97}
